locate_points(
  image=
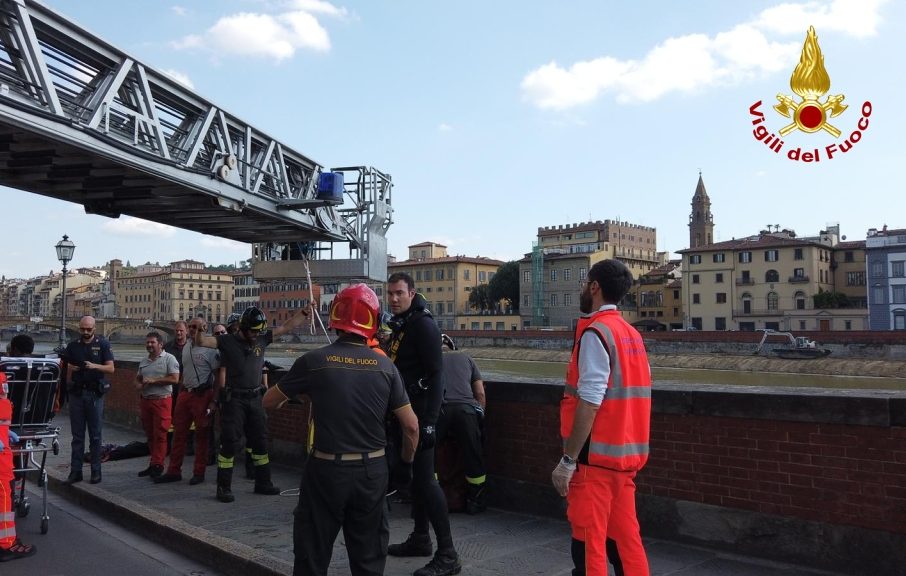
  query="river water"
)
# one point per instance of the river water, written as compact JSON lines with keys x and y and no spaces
{"x":553,"y":372}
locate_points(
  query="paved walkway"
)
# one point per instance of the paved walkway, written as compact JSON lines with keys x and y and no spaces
{"x":253,"y":535}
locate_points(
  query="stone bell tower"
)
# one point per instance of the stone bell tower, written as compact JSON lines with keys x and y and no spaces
{"x":701,"y":221}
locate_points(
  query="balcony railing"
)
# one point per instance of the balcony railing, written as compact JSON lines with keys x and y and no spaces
{"x":798,"y":279}
{"x":745,"y":281}
{"x":757,"y":312}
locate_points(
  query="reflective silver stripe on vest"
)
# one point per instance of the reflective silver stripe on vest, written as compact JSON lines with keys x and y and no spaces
{"x":616,"y":371}
{"x":8,"y":516}
{"x":627,"y":392}
{"x":617,"y":450}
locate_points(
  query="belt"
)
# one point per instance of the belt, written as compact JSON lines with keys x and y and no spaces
{"x":353,"y":456}
{"x":198,"y":389}
{"x":246,"y":393}
{"x":156,"y":397}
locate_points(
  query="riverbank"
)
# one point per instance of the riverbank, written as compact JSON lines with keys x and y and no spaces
{"x":829,"y":365}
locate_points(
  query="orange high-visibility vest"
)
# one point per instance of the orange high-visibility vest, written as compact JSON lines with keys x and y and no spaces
{"x":619,"y":435}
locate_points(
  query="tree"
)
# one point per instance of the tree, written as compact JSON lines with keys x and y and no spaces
{"x":505,"y":285}
{"x":479,"y":298}
{"x":831,"y":300}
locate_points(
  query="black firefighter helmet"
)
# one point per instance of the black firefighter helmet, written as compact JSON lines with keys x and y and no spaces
{"x":253,"y":319}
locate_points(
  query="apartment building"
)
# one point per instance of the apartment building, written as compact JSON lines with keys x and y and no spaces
{"x":553,"y":275}
{"x":180,"y":291}
{"x":885,"y":253}
{"x":280,"y":301}
{"x":658,"y":296}
{"x":446,"y":282}
{"x":764,"y":281}
{"x":246,"y":291}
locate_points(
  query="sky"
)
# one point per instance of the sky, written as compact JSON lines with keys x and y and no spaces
{"x":496,"y":118}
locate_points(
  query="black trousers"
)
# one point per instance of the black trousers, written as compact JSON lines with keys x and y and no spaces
{"x":243,"y":415}
{"x":462,"y":422}
{"x":428,"y":500}
{"x":347,"y":495}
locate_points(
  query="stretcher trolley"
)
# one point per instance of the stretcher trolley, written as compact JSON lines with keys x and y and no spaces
{"x":33,"y":385}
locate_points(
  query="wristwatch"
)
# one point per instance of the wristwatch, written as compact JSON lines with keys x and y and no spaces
{"x":568,"y":461}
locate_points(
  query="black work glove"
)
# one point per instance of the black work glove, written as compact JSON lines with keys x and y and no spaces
{"x":401,"y":476}
{"x":426,"y":438}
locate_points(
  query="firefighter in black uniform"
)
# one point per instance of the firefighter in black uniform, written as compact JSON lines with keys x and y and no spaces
{"x":415,"y":348}
{"x":352,"y":388}
{"x":242,"y":354}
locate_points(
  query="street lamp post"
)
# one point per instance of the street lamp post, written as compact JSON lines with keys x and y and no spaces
{"x":65,"y":250}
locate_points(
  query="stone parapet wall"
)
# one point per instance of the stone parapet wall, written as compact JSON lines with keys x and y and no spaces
{"x":807,"y":475}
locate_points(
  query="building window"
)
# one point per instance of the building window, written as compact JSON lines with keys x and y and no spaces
{"x":718,"y":257}
{"x":418,"y":275}
{"x":567,"y":299}
{"x":696,"y":323}
{"x":676,"y":294}
{"x":583,"y":273}
{"x":847,"y":324}
{"x":526,"y":276}
{"x":855,"y":278}
{"x":721,"y":298}
{"x":695,"y":259}
{"x":553,"y":275}
{"x":745,"y":257}
{"x":848,"y":257}
{"x":899,"y":319}
{"x":439,"y":275}
{"x":696,"y":299}
{"x":567,"y":272}
{"x":771,"y":255}
{"x":773,"y":301}
{"x":877,"y":269}
{"x":719,"y":278}
{"x":800,"y":300}
{"x":899,"y":294}
{"x":720,"y":323}
{"x":799,"y":273}
{"x":482,"y":276}
{"x":797,"y":254}
{"x":771,"y":276}
{"x":525,"y":300}
{"x":877,"y":295}
{"x":695,"y":279}
{"x":802,"y":324}
{"x":553,"y":300}
{"x":897,"y":269}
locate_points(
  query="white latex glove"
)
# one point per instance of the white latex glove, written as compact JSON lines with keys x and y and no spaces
{"x":561,"y":476}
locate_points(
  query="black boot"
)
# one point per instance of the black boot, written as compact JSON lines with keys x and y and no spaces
{"x":263,"y":484}
{"x":414,"y":545}
{"x":224,"y":481}
{"x":475,"y":498}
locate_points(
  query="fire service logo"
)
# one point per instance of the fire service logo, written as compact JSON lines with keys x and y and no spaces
{"x":809,"y":114}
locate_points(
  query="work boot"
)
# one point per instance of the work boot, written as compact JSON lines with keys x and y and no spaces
{"x":414,"y":545}
{"x":263,"y":484}
{"x":475,"y":498}
{"x":73,"y":478}
{"x":224,"y":480}
{"x":444,"y":563}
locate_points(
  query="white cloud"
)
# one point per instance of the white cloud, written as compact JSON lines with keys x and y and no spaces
{"x":858,"y":18}
{"x":225,"y":244}
{"x":179,"y":10}
{"x":272,"y":36}
{"x":127,"y":226}
{"x":180,"y":77}
{"x":695,"y":62}
{"x":444,"y":127}
{"x":319,"y":7}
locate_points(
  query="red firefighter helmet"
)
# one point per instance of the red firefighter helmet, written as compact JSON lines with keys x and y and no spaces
{"x":356,"y":310}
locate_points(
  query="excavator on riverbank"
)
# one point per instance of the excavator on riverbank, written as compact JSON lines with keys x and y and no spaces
{"x":797,"y":347}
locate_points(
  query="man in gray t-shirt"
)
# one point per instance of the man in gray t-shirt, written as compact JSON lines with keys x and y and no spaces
{"x":200,"y":367}
{"x":462,"y":417}
{"x":157,"y":373}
